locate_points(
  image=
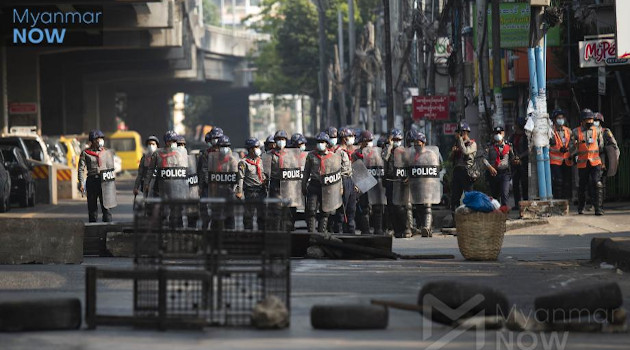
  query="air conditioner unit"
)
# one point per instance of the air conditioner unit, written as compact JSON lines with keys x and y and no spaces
{"x":540,"y":2}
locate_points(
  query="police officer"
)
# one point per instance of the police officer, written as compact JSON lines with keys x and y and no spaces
{"x":559,"y":156}
{"x":280,"y":138}
{"x":609,"y":140}
{"x":212,"y":139}
{"x":152,"y":144}
{"x":520,"y":177}
{"x":270,"y":144}
{"x":587,"y":142}
{"x":410,"y":137}
{"x":251,"y":184}
{"x":100,"y":178}
{"x":395,"y":175}
{"x":363,"y":205}
{"x":331,"y":131}
{"x":314,"y":169}
{"x":346,"y":214}
{"x":499,"y":157}
{"x":181,"y":142}
{"x":465,"y":174}
{"x":423,"y":212}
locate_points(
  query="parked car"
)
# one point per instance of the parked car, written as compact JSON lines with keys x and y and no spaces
{"x":128,"y":146}
{"x":5,"y":187}
{"x":29,"y":142}
{"x":22,"y":182}
{"x":72,"y":147}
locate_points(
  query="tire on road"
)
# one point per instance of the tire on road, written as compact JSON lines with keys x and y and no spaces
{"x":354,"y":316}
{"x":39,"y":315}
{"x":462,"y":300}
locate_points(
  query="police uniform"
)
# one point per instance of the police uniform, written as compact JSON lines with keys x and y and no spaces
{"x":588,"y":143}
{"x":398,"y":214}
{"x":463,"y":162}
{"x":312,"y":188}
{"x":363,"y":209}
{"x":345,"y":215}
{"x":609,"y":140}
{"x":520,"y":171}
{"x":89,"y":161}
{"x":499,"y":155}
{"x":143,"y":168}
{"x":251,"y":184}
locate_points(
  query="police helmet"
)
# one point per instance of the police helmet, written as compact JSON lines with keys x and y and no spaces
{"x":365,"y":136}
{"x":95,"y":134}
{"x":396,"y":134}
{"x":463,"y":126}
{"x":224,"y":141}
{"x":419,"y":136}
{"x":556,"y":113}
{"x":599,"y":116}
{"x":152,"y":138}
{"x":331,"y":132}
{"x":252,"y":142}
{"x":215,"y":133}
{"x":586,"y":114}
{"x":323,"y":137}
{"x":280,"y":134}
{"x":170,"y":136}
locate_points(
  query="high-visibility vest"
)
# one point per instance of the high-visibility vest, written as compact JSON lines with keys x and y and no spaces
{"x":555,"y":156}
{"x":588,"y":152}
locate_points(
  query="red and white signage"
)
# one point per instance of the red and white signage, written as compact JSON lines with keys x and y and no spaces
{"x":430,"y":107}
{"x":23,"y":108}
{"x":449,"y":128}
{"x":600,"y":52}
{"x":623,"y":29}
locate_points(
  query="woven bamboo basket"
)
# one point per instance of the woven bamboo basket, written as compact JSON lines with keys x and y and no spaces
{"x":480,"y":235}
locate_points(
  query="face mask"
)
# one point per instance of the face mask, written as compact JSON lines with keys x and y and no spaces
{"x":351,"y":140}
{"x":173,"y":145}
{"x":152,"y":148}
{"x":281,"y":143}
{"x":333,"y":141}
{"x":370,"y":144}
{"x":560,"y":122}
{"x":498,"y":137}
{"x":257,"y":152}
{"x":419,"y":145}
{"x":213,"y":142}
{"x":210,"y":144}
{"x":101,"y":143}
{"x":588,"y":125}
{"x":397,"y":143}
{"x":302,"y":147}
{"x":225,"y":150}
{"x":596,"y":123}
{"x":321,"y":146}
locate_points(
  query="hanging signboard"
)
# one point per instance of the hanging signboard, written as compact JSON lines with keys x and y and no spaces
{"x":622,"y":8}
{"x":599,"y":53}
{"x":430,"y":107}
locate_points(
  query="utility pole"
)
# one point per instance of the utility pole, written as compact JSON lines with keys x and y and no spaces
{"x":340,"y":72}
{"x":388,"y":65}
{"x":482,"y":57}
{"x":497,"y":117}
{"x":323,"y":76}
{"x":420,"y":43}
{"x":458,"y":20}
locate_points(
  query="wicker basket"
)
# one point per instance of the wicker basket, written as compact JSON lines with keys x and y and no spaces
{"x":480,"y":235}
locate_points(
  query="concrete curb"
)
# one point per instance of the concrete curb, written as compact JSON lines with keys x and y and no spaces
{"x":615,"y":251}
{"x":40,"y":315}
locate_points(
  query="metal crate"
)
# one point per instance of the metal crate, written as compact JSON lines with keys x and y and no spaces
{"x":198,"y":273}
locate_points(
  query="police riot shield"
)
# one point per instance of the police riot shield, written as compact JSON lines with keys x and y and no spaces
{"x":362,"y":177}
{"x":192,"y":177}
{"x":376,"y":166}
{"x":332,"y":188}
{"x":108,"y":179}
{"x":400,"y":188}
{"x":291,"y":177}
{"x":612,"y":160}
{"x":222,"y":171}
{"x":172,"y":174}
{"x":424,"y":179}
{"x":266,"y":161}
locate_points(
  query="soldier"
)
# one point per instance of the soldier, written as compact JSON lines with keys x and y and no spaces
{"x":321,"y":183}
{"x":559,"y":156}
{"x":345,"y":214}
{"x":499,"y":157}
{"x":100,"y":178}
{"x":371,"y":204}
{"x":520,"y":177}
{"x":465,"y":173}
{"x":610,"y":156}
{"x":396,"y":187}
{"x":220,"y":173}
{"x":152,"y":144}
{"x":251,"y":184}
{"x":425,"y":187}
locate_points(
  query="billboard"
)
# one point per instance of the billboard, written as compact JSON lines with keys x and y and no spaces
{"x":600,"y":53}
{"x":623,"y":29}
{"x":430,"y":107}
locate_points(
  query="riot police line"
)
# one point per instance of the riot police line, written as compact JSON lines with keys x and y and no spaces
{"x":345,"y":184}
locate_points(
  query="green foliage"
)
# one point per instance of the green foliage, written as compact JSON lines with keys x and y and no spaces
{"x":211,"y":14}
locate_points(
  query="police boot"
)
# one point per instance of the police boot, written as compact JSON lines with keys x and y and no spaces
{"x":411,"y":221}
{"x":311,"y":222}
{"x":248,"y":222}
{"x":581,"y":201}
{"x":377,"y":216}
{"x":427,"y":222}
{"x":323,"y":223}
{"x":599,"y":198}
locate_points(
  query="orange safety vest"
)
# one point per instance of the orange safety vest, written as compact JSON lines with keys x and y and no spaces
{"x":555,"y":156}
{"x":588,"y":152}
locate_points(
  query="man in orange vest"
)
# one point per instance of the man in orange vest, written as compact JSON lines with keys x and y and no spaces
{"x":559,"y":156}
{"x":587,"y":143}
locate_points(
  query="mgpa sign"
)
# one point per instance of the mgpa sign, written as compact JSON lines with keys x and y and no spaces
{"x":600,"y":52}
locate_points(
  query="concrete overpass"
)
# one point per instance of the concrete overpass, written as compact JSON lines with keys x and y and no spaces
{"x":150,"y":50}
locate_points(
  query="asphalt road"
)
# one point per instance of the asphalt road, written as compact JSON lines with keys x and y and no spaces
{"x":534,"y":261}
